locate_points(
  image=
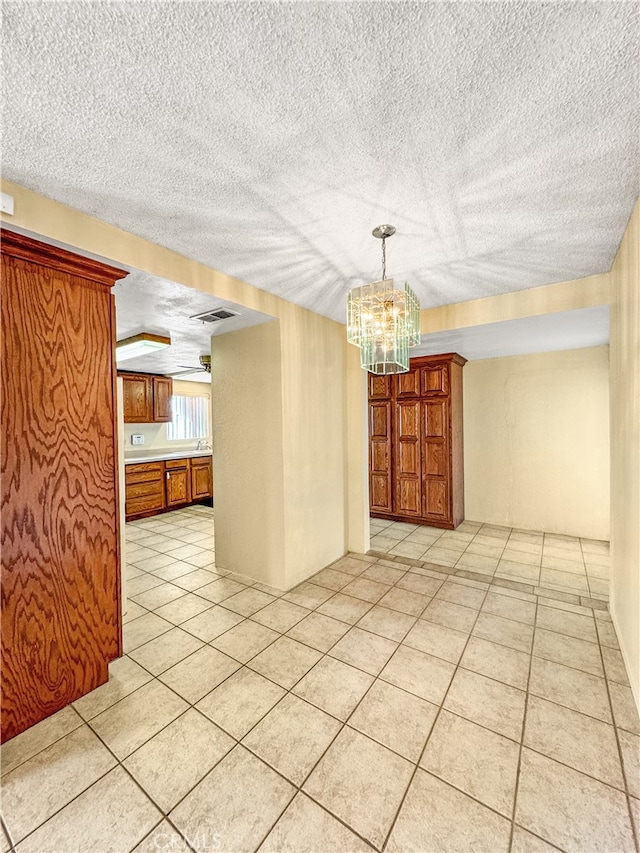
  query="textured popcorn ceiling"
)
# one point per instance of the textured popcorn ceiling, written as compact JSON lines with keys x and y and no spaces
{"x":267,"y":140}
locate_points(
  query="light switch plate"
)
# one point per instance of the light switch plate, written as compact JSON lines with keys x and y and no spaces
{"x":137,"y":439}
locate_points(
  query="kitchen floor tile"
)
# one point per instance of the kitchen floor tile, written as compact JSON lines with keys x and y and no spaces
{"x":435,"y":816}
{"x":307,"y":828}
{"x":581,"y":742}
{"x":248,"y":601}
{"x":235,"y":806}
{"x":170,"y":764}
{"x":285,"y":662}
{"x":411,"y":603}
{"x":209,"y":624}
{"x":391,"y":624}
{"x":166,"y":650}
{"x":570,"y":687}
{"x":245,"y":640}
{"x":198,"y":674}
{"x":424,"y":675}
{"x":364,"y":650}
{"x":362,"y":783}
{"x":345,"y":608}
{"x":509,"y":608}
{"x":293,"y":737}
{"x":395,"y":718}
{"x":241,"y":701}
{"x":366,"y":589}
{"x":133,"y":720}
{"x":505,"y":632}
{"x":184,"y":608}
{"x":334,"y":686}
{"x":308,"y":595}
{"x":113,"y":808}
{"x":569,"y":809}
{"x":280,"y":615}
{"x":498,"y":662}
{"x":436,"y":640}
{"x":475,"y":760}
{"x":318,"y":631}
{"x":561,"y":648}
{"x":141,"y":630}
{"x":450,"y":615}
{"x":487,"y":702}
{"x":62,"y":770}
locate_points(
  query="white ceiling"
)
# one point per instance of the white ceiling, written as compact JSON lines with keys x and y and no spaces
{"x":268,"y":139}
{"x":584,"y":327}
{"x":145,"y":303}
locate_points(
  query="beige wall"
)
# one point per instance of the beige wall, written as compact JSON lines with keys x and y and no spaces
{"x":625,"y":449}
{"x":246,"y":373}
{"x":322,"y":513}
{"x":536,"y":441}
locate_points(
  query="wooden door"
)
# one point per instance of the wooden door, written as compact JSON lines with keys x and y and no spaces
{"x":201,"y":479}
{"x":406,"y":456}
{"x":162,"y":390}
{"x":407,"y":384}
{"x":436,"y":460}
{"x":61,"y":620}
{"x":178,"y":487}
{"x":138,"y":398}
{"x":380,"y":491}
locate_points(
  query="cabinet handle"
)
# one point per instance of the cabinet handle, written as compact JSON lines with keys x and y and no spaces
{"x":168,"y":475}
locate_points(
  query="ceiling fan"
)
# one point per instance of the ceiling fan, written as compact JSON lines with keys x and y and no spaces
{"x":205,"y":367}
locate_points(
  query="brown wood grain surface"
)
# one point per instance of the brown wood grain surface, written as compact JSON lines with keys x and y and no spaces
{"x":60,"y":560}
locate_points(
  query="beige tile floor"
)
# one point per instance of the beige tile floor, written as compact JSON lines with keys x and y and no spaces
{"x":381,"y":705}
{"x":564,"y":563}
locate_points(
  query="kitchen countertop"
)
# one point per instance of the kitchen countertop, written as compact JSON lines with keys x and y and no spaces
{"x":131,"y":457}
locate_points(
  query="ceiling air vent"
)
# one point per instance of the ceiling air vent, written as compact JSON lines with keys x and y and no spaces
{"x":214,"y":316}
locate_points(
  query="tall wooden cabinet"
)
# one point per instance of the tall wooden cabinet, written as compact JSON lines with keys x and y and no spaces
{"x":415,"y":443}
{"x":61,"y":621}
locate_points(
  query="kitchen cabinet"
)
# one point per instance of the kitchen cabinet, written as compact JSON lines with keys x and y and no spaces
{"x":147,"y":398}
{"x":415,"y":443}
{"x":177,"y":482}
{"x":201,"y":478}
{"x":158,"y":486}
{"x":61,"y":617}
{"x":144,"y":488}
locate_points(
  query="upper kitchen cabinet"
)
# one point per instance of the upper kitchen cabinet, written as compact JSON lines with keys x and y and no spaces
{"x":147,"y":398}
{"x":61,"y":619}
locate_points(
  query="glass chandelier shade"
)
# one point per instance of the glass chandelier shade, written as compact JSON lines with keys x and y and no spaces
{"x":383,"y":320}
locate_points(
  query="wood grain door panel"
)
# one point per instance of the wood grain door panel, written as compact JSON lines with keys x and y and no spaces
{"x":137,"y":399}
{"x":406,"y":454}
{"x":60,"y":559}
{"x":379,"y":387}
{"x":201,"y":479}
{"x":435,"y":380}
{"x":162,"y":388}
{"x":408,"y":384}
{"x":380,"y":491}
{"x":436,"y":500}
{"x":177,"y":487}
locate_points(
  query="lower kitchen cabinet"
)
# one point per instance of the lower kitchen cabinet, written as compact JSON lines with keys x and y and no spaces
{"x":177,"y":482}
{"x":201,"y":479}
{"x":155,"y":487}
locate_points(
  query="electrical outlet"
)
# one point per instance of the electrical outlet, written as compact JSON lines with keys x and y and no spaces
{"x":137,"y":439}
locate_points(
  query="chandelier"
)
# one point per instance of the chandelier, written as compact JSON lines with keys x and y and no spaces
{"x":384,"y":322}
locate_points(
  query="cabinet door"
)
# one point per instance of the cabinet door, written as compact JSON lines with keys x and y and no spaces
{"x":138,"y":399}
{"x":435,"y":380}
{"x":436,"y":464}
{"x":380,"y":492}
{"x":177,"y":484}
{"x":408,"y":384}
{"x":201,"y":479}
{"x":379,"y":387}
{"x":406,"y":447}
{"x":162,"y":389}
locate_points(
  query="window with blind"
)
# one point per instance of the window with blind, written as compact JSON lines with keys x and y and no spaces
{"x":189,"y":418}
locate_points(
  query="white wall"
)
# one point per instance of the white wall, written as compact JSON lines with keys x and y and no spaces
{"x":625,"y":449}
{"x":536,"y":441}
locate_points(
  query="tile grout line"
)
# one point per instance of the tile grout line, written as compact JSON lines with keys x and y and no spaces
{"x":426,"y":743}
{"x":522,"y":736}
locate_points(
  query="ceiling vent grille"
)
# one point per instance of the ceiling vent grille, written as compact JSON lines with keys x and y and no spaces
{"x":214,"y":316}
